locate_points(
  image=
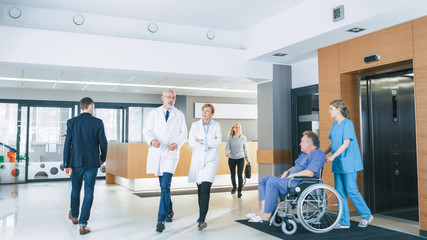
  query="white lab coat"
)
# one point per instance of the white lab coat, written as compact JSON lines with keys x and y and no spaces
{"x":204,"y":163}
{"x":160,"y":160}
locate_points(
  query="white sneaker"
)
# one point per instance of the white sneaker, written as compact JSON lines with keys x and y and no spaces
{"x":250,"y":215}
{"x":256,"y":219}
{"x":365,"y":222}
{"x":339,"y":226}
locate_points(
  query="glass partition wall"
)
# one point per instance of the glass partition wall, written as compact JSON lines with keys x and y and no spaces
{"x":12,"y":168}
{"x":32,"y":135}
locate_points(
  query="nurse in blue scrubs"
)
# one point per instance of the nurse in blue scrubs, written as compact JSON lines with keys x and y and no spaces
{"x":346,"y":162}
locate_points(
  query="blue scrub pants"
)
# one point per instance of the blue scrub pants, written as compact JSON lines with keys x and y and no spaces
{"x":269,"y":189}
{"x":346,"y":185}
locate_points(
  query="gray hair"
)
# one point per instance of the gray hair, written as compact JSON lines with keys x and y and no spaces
{"x":168,"y":90}
{"x":313,"y":138}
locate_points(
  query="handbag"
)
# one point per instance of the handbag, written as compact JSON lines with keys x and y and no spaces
{"x":248,"y":169}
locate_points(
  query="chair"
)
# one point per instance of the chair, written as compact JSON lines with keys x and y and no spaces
{"x":313,"y":204}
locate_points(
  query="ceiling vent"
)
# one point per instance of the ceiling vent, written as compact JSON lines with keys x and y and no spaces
{"x":280,"y":54}
{"x":355,"y":30}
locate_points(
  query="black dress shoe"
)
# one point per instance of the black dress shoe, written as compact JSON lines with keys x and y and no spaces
{"x":233,"y":191}
{"x":202,"y":225}
{"x":239,"y":194}
{"x":160,"y":226}
{"x":74,"y":220}
{"x":169,"y":216}
{"x":84,"y":230}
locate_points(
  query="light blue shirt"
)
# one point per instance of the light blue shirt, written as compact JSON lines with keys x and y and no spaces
{"x":206,"y":129}
{"x":350,"y":160}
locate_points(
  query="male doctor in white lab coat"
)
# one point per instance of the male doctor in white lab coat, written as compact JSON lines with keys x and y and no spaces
{"x":164,"y":131}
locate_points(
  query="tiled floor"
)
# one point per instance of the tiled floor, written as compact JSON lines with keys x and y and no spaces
{"x":40,"y":211}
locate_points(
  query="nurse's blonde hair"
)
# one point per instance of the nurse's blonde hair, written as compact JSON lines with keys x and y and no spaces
{"x":232,"y":133}
{"x":342,"y":106}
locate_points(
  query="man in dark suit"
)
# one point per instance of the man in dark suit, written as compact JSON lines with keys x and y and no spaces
{"x":85,"y":150}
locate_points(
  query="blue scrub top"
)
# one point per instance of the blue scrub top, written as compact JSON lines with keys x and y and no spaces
{"x":313,"y":162}
{"x":350,"y":160}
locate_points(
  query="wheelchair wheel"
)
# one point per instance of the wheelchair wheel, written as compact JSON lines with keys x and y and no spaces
{"x":278,"y":221}
{"x":290,"y":228}
{"x":319,"y":208}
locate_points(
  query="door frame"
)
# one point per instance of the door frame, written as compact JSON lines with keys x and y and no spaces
{"x":367,"y":138}
{"x":295,"y":93}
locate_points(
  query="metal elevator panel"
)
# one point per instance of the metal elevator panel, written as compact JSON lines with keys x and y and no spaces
{"x":388,"y":141}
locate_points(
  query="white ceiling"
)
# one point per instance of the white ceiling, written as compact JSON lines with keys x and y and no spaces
{"x":234,"y":15}
{"x":233,"y":22}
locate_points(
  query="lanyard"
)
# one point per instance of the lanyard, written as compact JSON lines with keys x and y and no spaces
{"x":206,"y":130}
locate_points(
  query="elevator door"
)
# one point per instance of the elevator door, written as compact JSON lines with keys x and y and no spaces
{"x":389,"y":147}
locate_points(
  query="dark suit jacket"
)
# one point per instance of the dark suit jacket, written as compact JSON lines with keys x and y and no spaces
{"x":85,"y":143}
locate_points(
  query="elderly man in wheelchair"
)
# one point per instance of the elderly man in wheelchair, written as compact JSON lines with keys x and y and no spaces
{"x":299,"y":194}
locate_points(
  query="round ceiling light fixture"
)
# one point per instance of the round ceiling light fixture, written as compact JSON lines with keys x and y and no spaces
{"x":152,"y":27}
{"x":210,"y":35}
{"x":78,"y":20}
{"x":15,"y":12}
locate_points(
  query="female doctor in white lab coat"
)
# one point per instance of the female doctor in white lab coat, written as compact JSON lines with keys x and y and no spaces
{"x":205,"y":137}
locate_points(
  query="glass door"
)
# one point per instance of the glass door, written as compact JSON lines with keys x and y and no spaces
{"x":137,"y":116}
{"x":12,"y":163}
{"x":46,"y":136}
{"x":113,"y":121}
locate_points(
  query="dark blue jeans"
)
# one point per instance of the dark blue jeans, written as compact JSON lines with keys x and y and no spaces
{"x":77,"y":176}
{"x":165,"y":196}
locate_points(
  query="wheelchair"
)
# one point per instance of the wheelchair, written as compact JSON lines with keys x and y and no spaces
{"x":313,"y":204}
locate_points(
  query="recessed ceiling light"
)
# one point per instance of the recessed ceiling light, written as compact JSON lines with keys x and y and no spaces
{"x":78,"y":20}
{"x":210,"y":35}
{"x":280,"y":54}
{"x":15,"y":12}
{"x":355,"y":30}
{"x":152,"y":27}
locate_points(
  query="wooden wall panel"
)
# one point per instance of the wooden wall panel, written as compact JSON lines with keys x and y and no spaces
{"x":274,"y":156}
{"x":329,"y":90}
{"x":420,"y":42}
{"x":393,"y":44}
{"x":420,"y":83}
{"x":350,"y":92}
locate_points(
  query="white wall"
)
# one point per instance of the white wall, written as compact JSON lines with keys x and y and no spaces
{"x":305,"y":73}
{"x":249,"y":126}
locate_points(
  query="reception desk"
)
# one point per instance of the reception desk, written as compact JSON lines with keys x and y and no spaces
{"x":126,"y":166}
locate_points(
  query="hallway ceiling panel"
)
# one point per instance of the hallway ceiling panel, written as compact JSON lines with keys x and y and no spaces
{"x":81,"y":76}
{"x":10,"y":84}
{"x":41,"y":74}
{"x":64,"y":86}
{"x":10,"y":72}
{"x":38,"y":85}
{"x":232,"y":21}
